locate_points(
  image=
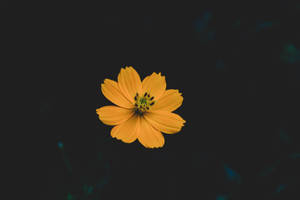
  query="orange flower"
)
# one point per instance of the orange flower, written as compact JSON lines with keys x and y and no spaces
{"x":143,"y":108}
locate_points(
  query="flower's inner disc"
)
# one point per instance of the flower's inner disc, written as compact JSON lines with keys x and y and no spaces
{"x":143,"y":103}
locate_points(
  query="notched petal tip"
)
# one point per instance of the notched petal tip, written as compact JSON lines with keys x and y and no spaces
{"x":166,"y":122}
{"x":125,"y":140}
{"x":156,"y":147}
{"x":127,"y":68}
{"x":98,"y":111}
{"x":129,"y":82}
{"x":112,"y":92}
{"x":169,"y":101}
{"x":107,"y":81}
{"x":155,"y":84}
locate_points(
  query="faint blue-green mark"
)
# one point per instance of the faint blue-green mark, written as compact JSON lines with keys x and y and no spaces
{"x":281,"y":187}
{"x":60,"y":144}
{"x":87,"y":189}
{"x":105,"y":179}
{"x":273,"y":168}
{"x":295,"y":156}
{"x":222,"y":197}
{"x":264,"y":25}
{"x":65,"y":158}
{"x":71,"y":197}
{"x":290,"y":54}
{"x":201,"y":24}
{"x":232,"y":175}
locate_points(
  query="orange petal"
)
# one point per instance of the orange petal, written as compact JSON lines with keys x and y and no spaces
{"x":111,"y":91}
{"x":165,"y":121}
{"x":113,"y":115}
{"x":149,"y":136}
{"x":129,"y":82}
{"x":155,"y":85}
{"x":169,"y":101}
{"x":127,"y":131}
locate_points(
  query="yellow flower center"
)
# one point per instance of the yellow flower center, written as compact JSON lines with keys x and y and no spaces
{"x":143,"y":103}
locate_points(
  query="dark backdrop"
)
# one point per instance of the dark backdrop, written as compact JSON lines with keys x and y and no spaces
{"x":238,"y":70}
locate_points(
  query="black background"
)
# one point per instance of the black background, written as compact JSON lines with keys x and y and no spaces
{"x":4,"y":4}
{"x":240,"y":103}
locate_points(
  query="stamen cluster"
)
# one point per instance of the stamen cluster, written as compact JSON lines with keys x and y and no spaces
{"x":143,"y":103}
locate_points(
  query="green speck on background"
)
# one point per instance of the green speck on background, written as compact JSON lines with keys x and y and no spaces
{"x":70,"y":197}
{"x":222,"y":197}
{"x":290,"y":54}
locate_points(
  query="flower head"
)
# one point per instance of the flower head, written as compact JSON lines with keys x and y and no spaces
{"x":142,"y":110}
